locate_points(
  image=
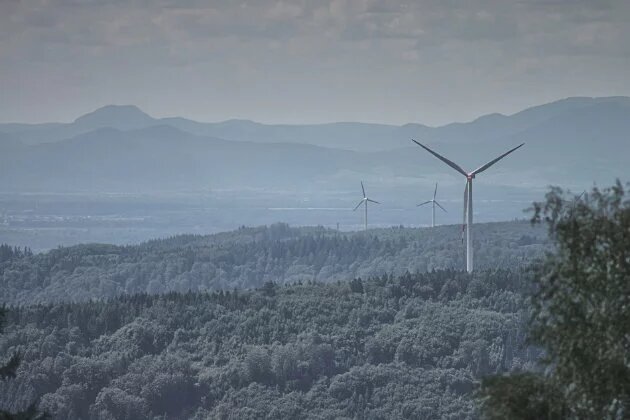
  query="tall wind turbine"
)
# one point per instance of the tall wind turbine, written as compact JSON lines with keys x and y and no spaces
{"x":434,"y":202}
{"x":468,"y":207}
{"x":365,"y":201}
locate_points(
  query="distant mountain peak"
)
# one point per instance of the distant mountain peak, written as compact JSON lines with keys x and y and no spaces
{"x":123,"y":117}
{"x":238,"y":121}
{"x":495,"y":116}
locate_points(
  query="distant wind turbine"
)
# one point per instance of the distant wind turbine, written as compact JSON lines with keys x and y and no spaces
{"x":434,"y":202}
{"x":365,"y":202}
{"x":576,"y":199}
{"x":468,"y":207}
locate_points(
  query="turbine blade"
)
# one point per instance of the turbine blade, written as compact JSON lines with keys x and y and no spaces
{"x":422,"y":204}
{"x":440,"y":206}
{"x":373,"y":201}
{"x":492,"y":162}
{"x":443,"y":159}
{"x":576,"y":199}
{"x":362,"y":188}
{"x":435,"y":192}
{"x":360,"y":202}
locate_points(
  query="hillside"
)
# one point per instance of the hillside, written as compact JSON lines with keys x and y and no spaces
{"x":344,"y":135}
{"x":249,"y":257}
{"x":572,"y":142}
{"x":408,"y":347}
{"x":164,"y":158}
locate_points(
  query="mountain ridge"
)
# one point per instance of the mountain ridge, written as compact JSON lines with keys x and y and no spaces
{"x":573,"y":142}
{"x":343,"y":135}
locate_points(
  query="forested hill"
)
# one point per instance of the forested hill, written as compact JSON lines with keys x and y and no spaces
{"x":385,"y":348}
{"x":250,"y":257}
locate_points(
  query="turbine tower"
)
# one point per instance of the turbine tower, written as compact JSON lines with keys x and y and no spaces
{"x":434,"y":202}
{"x":468,"y":206}
{"x":365,"y":202}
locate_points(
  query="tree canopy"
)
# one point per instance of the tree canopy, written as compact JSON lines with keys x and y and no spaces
{"x":412,"y":346}
{"x":250,"y":257}
{"x":580,"y":315}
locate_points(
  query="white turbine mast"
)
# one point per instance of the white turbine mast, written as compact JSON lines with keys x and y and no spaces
{"x":434,"y":203}
{"x":468,"y":207}
{"x":365,"y":201}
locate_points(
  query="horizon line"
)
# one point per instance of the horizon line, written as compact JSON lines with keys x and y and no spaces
{"x":320,"y":123}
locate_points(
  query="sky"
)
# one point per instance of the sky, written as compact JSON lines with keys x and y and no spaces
{"x":308,"y":61}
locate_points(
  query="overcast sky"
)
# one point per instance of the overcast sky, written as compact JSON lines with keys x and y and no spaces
{"x":428,"y":61}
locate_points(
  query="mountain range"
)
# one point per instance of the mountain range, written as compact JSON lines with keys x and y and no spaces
{"x":573,"y":142}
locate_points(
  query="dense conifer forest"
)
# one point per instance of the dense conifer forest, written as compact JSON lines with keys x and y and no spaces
{"x":250,"y":257}
{"x":268,"y":322}
{"x":279,"y":322}
{"x":409,"y":346}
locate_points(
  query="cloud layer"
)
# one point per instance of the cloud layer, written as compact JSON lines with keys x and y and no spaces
{"x":428,"y":61}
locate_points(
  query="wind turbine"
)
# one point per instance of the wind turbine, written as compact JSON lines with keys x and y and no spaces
{"x":365,"y":202}
{"x":468,"y":207}
{"x":434,"y":202}
{"x":576,"y":199}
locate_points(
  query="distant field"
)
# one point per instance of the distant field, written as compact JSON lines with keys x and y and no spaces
{"x":45,"y":221}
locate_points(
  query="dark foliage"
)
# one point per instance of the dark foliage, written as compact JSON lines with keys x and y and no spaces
{"x":251,"y":257}
{"x":580,"y":312}
{"x":413,"y":346}
{"x":8,"y":253}
{"x":527,"y":396}
{"x":8,"y":371}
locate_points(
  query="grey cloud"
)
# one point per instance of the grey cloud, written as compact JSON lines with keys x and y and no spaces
{"x":490,"y":20}
{"x":426,"y":48}
{"x":224,"y":23}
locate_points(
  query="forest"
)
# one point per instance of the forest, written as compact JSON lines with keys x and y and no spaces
{"x":541,"y":335}
{"x":409,"y":346}
{"x":251,"y":256}
{"x":267,"y":322}
{"x":179,"y":229}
